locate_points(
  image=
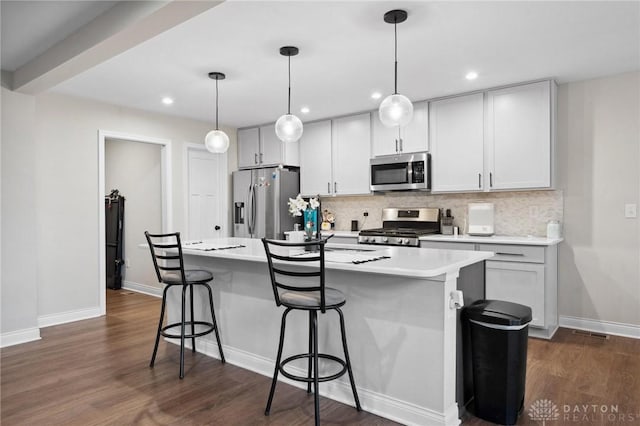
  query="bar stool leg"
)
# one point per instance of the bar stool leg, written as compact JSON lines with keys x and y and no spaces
{"x":278,"y":357}
{"x":215,"y":324}
{"x":310,"y":368}
{"x":193,"y":326}
{"x":184,"y":296}
{"x":155,"y":347}
{"x":348,"y":361}
{"x":316,"y":393}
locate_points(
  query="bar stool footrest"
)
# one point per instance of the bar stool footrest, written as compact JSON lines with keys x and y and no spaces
{"x":208,"y":330}
{"x":310,"y":379}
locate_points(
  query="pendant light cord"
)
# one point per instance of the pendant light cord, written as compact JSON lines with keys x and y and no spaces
{"x":216,"y":104}
{"x":289,"y":101}
{"x":395,"y":36}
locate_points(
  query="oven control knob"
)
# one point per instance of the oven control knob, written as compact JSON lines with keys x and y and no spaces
{"x":364,"y":239}
{"x":385,"y":239}
{"x":400,"y":240}
{"x":407,"y":241}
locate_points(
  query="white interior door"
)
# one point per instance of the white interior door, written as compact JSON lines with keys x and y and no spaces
{"x":207,"y":199}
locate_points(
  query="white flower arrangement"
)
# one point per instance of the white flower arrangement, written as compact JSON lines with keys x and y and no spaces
{"x":298,"y":205}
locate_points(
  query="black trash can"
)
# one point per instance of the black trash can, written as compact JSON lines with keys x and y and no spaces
{"x":499,"y":332}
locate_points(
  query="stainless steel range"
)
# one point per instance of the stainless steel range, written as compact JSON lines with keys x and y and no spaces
{"x":402,"y":227}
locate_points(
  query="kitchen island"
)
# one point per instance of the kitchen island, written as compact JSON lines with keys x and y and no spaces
{"x":400,"y":317}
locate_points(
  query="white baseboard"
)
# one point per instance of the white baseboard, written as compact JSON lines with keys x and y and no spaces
{"x":599,"y":326}
{"x":70,"y":316}
{"x":142,"y":288}
{"x":19,"y":336}
{"x":339,"y":390}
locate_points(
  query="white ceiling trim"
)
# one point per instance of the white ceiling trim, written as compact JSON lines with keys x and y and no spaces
{"x":122,"y":27}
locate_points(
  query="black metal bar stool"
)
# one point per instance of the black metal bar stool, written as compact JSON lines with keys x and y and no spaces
{"x":289,"y":258}
{"x":172,"y":273}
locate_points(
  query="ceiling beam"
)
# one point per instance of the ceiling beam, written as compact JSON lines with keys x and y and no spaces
{"x":120,"y":28}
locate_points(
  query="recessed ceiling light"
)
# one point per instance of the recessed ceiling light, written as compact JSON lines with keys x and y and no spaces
{"x":376,"y":95}
{"x":167,"y":100}
{"x":305,"y":110}
{"x":471,"y":75}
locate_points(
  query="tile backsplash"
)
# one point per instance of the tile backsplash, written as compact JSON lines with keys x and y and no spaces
{"x":516,"y":213}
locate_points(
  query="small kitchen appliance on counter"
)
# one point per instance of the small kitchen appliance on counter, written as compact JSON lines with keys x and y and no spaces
{"x":481,"y":219}
{"x":446,"y":226}
{"x":402,"y":227}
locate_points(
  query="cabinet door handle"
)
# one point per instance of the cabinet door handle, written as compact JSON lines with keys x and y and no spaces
{"x":335,"y":187}
{"x":498,"y":253}
{"x":401,"y":145}
{"x":255,"y":158}
{"x":479,"y":180}
{"x":328,"y":187}
{"x":490,"y":179}
{"x":396,"y":145}
{"x":260,"y":158}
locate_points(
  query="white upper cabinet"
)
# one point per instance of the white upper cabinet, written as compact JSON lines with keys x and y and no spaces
{"x":260,"y":147}
{"x":457,"y":143}
{"x":411,"y":138}
{"x":351,"y":154}
{"x":270,"y":146}
{"x":519,"y":136}
{"x":414,"y":137}
{"x":248,"y":147}
{"x":315,"y":159}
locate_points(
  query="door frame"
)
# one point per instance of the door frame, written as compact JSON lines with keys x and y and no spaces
{"x":224,"y":187}
{"x":165,"y":185}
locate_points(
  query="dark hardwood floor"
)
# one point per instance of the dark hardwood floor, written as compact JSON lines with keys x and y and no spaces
{"x":95,"y":372}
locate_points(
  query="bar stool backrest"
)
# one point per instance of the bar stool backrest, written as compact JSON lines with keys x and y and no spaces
{"x":285,"y":269}
{"x":158,"y":244}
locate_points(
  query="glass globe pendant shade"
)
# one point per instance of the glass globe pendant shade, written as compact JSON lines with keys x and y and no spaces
{"x":396,"y":110}
{"x":288,"y":128}
{"x":217,"y":141}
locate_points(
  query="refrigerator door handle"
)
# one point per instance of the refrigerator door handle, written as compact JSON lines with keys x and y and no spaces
{"x":253,"y":211}
{"x":250,"y":209}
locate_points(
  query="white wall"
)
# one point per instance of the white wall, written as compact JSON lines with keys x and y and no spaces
{"x":599,"y":171}
{"x":62,"y":212}
{"x":19,"y":230}
{"x":134,"y":169}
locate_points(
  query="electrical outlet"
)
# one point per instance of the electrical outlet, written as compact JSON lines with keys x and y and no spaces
{"x":127,"y":263}
{"x":365,"y":214}
{"x":534,"y":212}
{"x":631,"y":211}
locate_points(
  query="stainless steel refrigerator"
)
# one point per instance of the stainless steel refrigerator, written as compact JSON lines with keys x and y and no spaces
{"x":260,"y":199}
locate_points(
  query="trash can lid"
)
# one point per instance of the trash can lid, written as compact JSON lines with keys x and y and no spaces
{"x":498,"y":312}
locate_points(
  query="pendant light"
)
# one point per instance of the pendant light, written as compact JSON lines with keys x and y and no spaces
{"x":396,"y":109}
{"x":216,"y":140}
{"x":289,"y":127}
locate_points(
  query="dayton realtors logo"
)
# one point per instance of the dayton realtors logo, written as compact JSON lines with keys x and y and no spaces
{"x":545,"y":410}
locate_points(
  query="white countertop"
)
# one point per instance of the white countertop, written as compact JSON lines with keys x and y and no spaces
{"x":493,"y":239}
{"x":403,"y":261}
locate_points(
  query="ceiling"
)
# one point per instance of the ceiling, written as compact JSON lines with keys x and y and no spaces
{"x":346,"y":53}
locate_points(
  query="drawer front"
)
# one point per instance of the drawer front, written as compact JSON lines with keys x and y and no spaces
{"x":515,"y":253}
{"x":445,"y":245}
{"x":343,"y":240}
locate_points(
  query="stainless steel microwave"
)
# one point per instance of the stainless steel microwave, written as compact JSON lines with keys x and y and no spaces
{"x":401,"y":172}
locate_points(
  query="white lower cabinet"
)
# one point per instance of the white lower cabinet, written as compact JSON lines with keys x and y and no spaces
{"x":521,"y":274}
{"x":517,"y":282}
